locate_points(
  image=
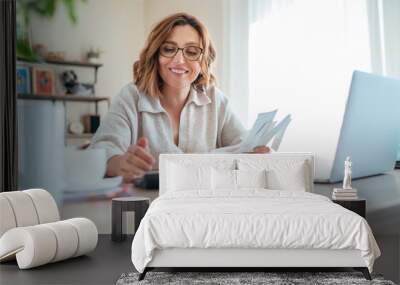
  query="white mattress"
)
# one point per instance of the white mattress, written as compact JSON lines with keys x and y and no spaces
{"x":251,"y":218}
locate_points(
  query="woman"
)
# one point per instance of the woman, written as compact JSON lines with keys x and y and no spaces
{"x":173,"y":105}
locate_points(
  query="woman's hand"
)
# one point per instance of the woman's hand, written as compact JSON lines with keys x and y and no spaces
{"x":261,"y":149}
{"x":134,"y":163}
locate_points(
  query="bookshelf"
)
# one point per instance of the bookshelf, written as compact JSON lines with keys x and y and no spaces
{"x":76,"y":63}
{"x":64,"y":98}
{"x":71,"y":98}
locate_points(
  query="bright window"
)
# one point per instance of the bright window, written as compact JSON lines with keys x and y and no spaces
{"x":301,"y":57}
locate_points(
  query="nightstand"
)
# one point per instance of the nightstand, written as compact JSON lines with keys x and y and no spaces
{"x":358,"y":206}
{"x":119,"y":205}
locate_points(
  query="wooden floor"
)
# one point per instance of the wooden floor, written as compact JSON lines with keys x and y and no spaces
{"x":102,"y":266}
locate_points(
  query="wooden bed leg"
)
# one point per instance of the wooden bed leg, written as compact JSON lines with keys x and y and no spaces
{"x":143,"y":274}
{"x":364,"y":271}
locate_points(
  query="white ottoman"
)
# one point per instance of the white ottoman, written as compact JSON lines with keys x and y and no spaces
{"x":31,"y":232}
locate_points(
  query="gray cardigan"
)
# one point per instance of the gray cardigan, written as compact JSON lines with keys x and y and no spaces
{"x":207,"y":124}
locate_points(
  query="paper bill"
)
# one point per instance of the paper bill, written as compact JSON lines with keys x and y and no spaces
{"x":263,"y":131}
{"x":262,"y":122}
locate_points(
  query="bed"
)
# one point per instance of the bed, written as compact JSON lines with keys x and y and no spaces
{"x":245,"y":211}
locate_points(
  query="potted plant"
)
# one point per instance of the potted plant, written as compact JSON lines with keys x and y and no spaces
{"x":93,"y":55}
{"x":43,"y":8}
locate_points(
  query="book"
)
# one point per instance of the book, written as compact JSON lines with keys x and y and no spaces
{"x":344,"y":198}
{"x":344,"y":191}
{"x":264,"y":130}
{"x":23,"y":81}
{"x":345,"y":194}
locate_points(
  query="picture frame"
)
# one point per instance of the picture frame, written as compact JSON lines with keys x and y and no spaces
{"x":43,"y":81}
{"x":23,"y":80}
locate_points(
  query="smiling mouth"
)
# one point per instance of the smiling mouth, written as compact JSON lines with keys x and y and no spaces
{"x":178,"y":71}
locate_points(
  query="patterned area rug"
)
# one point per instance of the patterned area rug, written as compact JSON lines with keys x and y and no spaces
{"x":230,"y":278}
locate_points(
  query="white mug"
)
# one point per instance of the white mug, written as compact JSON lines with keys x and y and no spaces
{"x":84,"y":167}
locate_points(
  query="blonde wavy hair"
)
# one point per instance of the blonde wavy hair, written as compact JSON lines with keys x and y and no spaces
{"x":145,"y":70}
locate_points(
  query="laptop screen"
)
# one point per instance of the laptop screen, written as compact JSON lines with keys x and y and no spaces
{"x":370,"y":128}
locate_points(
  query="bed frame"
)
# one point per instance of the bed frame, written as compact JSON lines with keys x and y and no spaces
{"x":248,"y":259}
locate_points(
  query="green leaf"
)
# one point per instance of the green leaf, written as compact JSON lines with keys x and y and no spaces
{"x":70,"y":6}
{"x":24,"y":51}
{"x":45,"y":8}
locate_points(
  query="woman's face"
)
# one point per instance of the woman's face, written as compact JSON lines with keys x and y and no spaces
{"x":178,"y":72}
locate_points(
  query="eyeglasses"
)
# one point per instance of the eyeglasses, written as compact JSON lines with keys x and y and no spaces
{"x":191,"y":53}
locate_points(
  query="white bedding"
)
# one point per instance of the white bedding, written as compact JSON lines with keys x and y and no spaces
{"x":251,"y":218}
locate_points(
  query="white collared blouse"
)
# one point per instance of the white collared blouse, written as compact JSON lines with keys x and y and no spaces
{"x":207,"y":124}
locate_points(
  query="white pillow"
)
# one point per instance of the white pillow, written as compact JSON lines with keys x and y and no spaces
{"x":228,"y":179}
{"x":251,"y":178}
{"x":182,"y":177}
{"x":290,"y":178}
{"x":282,"y":174}
{"x":223,"y":179}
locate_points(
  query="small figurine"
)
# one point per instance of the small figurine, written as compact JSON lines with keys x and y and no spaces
{"x":346,"y":192}
{"x":73,"y":86}
{"x":347,"y":174}
{"x":70,"y":80}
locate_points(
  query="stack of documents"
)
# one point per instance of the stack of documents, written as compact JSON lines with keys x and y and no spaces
{"x":344,"y":194}
{"x":264,"y":130}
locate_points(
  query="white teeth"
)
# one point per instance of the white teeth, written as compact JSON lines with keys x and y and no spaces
{"x":179,"y":71}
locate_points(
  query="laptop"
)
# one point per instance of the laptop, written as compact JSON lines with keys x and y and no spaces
{"x":370,"y":132}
